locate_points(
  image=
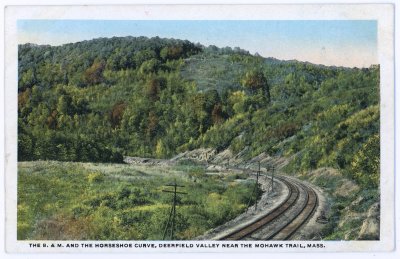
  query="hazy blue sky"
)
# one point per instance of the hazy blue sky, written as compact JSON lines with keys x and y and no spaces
{"x":344,"y":43}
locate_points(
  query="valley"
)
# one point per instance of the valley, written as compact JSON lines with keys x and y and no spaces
{"x":108,"y":127}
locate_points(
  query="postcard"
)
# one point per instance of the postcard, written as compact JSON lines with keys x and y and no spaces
{"x":199,"y":128}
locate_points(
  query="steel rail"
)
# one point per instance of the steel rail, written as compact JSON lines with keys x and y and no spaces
{"x":248,"y":229}
{"x":285,"y":231}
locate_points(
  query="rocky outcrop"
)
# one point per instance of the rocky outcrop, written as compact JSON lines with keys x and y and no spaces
{"x":370,"y":227}
{"x":200,"y":155}
{"x":145,"y":161}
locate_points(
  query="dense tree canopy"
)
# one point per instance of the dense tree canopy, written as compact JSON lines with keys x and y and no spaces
{"x":101,"y":99}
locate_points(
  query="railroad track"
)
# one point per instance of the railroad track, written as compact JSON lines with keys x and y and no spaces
{"x":284,"y":220}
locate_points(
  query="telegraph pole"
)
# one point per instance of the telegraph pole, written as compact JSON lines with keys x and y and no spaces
{"x":171,"y":223}
{"x":258,"y":174}
{"x":272,"y":179}
{"x":255,"y":190}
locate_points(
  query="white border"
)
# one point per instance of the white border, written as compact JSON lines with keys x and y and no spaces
{"x":384,"y":15}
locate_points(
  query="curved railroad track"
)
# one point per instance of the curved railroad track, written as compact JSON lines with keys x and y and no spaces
{"x":283,"y":221}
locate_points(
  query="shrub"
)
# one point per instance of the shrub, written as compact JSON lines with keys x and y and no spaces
{"x":365,"y":164}
{"x":95,"y":177}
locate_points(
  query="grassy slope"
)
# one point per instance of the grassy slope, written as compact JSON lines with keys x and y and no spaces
{"x":65,"y":200}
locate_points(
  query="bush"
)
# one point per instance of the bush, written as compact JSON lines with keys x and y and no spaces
{"x":95,"y":177}
{"x":366,"y":163}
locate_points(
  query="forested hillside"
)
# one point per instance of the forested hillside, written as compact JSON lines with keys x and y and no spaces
{"x":101,"y":99}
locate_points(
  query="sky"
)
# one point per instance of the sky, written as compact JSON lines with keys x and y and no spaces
{"x":349,"y":43}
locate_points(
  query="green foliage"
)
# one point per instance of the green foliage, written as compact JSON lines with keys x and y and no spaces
{"x":366,"y":163}
{"x":171,"y":52}
{"x":95,"y":177}
{"x":101,"y":99}
{"x":84,"y":201}
{"x":117,"y":113}
{"x":27,"y":79}
{"x":97,"y":100}
{"x":255,"y":81}
{"x":94,"y":74}
{"x":149,"y":66}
